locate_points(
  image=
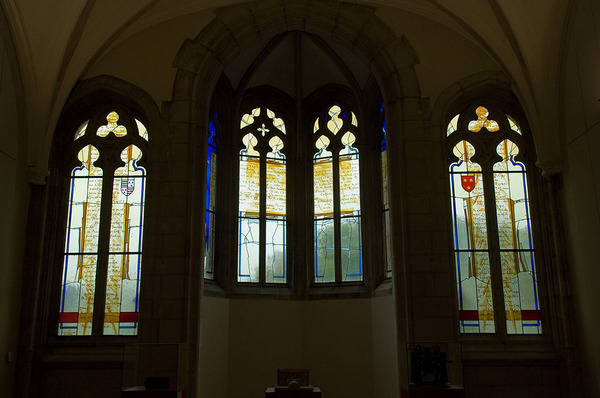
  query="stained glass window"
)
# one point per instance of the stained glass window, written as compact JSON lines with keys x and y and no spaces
{"x":386,"y":200}
{"x":118,"y":189}
{"x":211,"y":179}
{"x":336,"y":185}
{"x":492,"y":195}
{"x":262,"y":199}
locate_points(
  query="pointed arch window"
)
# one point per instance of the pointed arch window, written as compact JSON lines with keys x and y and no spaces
{"x":493,"y":239}
{"x":262,"y":199}
{"x":337,"y":216}
{"x":104,"y":230}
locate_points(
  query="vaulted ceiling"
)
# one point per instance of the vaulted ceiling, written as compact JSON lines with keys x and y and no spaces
{"x":55,"y":43}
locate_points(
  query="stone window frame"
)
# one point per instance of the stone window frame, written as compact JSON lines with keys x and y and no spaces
{"x":93,"y":99}
{"x":300,"y":258}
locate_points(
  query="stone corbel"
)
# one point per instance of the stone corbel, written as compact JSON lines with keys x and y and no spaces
{"x":550,"y":167}
{"x":36,"y":175}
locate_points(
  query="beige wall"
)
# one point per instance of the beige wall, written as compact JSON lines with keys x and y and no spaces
{"x":348,"y":345}
{"x":13,"y":206}
{"x":582,"y":181}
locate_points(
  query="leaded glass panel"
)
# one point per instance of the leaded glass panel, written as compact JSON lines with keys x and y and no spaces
{"x":324,"y":250}
{"x":471,"y":242}
{"x":516,"y":243}
{"x":262,"y":199}
{"x":122,"y":230}
{"x":210,"y":200}
{"x":81,"y":246}
{"x":336,"y":224}
{"x":124,"y":261}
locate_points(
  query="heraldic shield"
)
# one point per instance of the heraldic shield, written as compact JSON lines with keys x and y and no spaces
{"x":127,"y":186}
{"x":468,"y":183}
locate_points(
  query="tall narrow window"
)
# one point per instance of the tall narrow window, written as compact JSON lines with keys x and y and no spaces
{"x":385,"y":196}
{"x":493,"y":240}
{"x":336,"y":177}
{"x":262,"y":199}
{"x":103,"y":245}
{"x":211,"y":178}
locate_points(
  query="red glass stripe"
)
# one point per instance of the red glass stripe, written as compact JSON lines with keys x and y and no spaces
{"x":128,"y":317}
{"x":531,"y":315}
{"x":468,"y":315}
{"x":68,"y":317}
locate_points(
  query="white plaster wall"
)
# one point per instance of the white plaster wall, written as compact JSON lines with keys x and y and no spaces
{"x":582,"y":182}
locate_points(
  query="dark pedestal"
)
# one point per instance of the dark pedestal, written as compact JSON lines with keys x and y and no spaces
{"x":433,"y":392}
{"x":142,"y":392}
{"x":271,"y":393}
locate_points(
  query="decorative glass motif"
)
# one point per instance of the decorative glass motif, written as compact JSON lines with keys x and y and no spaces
{"x":249,"y":211}
{"x":516,"y":244}
{"x":337,"y":225}
{"x":262,"y":199}
{"x":112,"y":127}
{"x":511,"y":251}
{"x":483,"y":122}
{"x":122,"y":257}
{"x":81,"y":248}
{"x":471,"y":242}
{"x":125,"y":248}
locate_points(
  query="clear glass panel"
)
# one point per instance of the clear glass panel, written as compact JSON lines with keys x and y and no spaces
{"x":81,"y":130}
{"x":471,"y":243}
{"x":514,"y":125}
{"x":351,"y":249}
{"x":112,"y":126}
{"x":483,"y":122}
{"x":277,"y":122}
{"x":248,"y":249}
{"x":324,"y":250}
{"x":516,"y":243}
{"x":335,"y":122}
{"x":452,"y":126}
{"x":81,"y":246}
{"x":248,"y":118}
{"x":275,"y":271}
{"x":142,"y":131}
{"x":77,"y":295}
{"x":521,"y":303}
{"x":126,"y":232}
{"x":476,"y":311}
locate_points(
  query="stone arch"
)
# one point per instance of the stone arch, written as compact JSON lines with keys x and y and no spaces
{"x":201,"y":61}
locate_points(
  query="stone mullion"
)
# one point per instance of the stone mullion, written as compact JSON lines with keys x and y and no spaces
{"x":494,"y":246}
{"x":103,"y":248}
